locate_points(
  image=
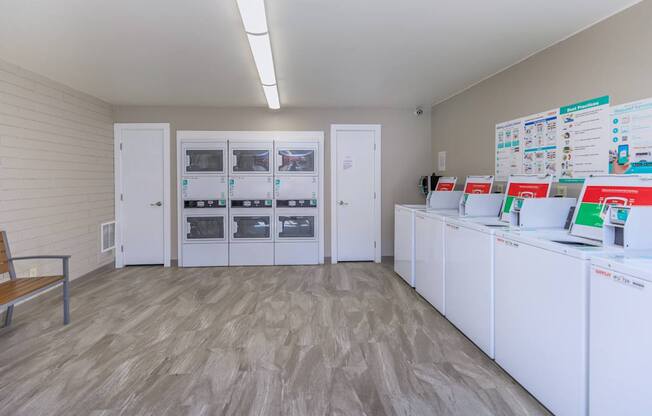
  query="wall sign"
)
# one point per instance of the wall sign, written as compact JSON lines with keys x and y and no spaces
{"x":569,"y":143}
{"x":630,"y":147}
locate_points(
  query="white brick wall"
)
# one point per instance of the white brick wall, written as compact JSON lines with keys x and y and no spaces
{"x":56,"y":171}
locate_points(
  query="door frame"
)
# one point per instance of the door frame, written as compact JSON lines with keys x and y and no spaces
{"x":376,"y":128}
{"x":167,"y":218}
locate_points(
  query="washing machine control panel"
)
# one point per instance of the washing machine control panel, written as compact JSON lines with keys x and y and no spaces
{"x":205,"y":203}
{"x":296,"y":203}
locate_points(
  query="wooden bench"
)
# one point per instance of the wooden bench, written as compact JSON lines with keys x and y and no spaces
{"x":18,"y":289}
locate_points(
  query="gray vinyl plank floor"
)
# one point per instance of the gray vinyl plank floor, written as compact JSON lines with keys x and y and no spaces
{"x":346,"y":339}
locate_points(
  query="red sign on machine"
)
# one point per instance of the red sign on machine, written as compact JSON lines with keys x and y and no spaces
{"x":477,"y":188}
{"x":618,"y":195}
{"x":528,"y":190}
{"x":445,"y":186}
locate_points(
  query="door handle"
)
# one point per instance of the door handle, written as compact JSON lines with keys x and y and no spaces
{"x":342,"y":203}
{"x":156,"y":204}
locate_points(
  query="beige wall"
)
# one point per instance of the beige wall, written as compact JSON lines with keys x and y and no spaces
{"x":406,"y":146}
{"x":56,"y":171}
{"x":613,"y":57}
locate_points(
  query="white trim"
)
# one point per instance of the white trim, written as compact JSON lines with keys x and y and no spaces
{"x":376,"y":128}
{"x":167,"y":223}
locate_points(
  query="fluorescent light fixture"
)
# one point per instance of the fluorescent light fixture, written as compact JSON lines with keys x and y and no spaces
{"x":255,"y":24}
{"x":261,"y":48}
{"x":271,"y":93}
{"x":253,"y":15}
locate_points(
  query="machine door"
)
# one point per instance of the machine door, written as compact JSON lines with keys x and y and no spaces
{"x":296,"y":159}
{"x":296,"y":226}
{"x":204,"y":227}
{"x":251,"y":227}
{"x":204,"y":159}
{"x":251,"y":158}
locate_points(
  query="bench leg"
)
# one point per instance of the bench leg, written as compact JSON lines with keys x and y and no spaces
{"x":66,"y":303}
{"x":8,"y":315}
{"x":66,"y":293}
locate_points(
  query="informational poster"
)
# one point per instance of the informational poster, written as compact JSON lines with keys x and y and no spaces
{"x":446,"y":183}
{"x":525,"y":186}
{"x":584,"y":139}
{"x":540,"y":143}
{"x":571,"y":143}
{"x":630,"y":149}
{"x":509,"y":159}
{"x":599,"y":193}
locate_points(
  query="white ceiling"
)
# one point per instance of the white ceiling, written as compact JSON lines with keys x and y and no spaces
{"x":328,"y":53}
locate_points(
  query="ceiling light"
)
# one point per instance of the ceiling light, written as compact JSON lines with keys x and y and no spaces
{"x":255,"y":24}
{"x":261,"y":48}
{"x":253,"y":15}
{"x":271,"y":93}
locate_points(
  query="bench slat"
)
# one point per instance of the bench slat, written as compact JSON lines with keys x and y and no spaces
{"x":15,"y":289}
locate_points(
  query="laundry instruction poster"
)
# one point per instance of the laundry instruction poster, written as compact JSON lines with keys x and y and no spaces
{"x":526,"y":187}
{"x":630,"y":149}
{"x":540,"y":143}
{"x":509,"y":158}
{"x":584,"y":141}
{"x":570,"y":143}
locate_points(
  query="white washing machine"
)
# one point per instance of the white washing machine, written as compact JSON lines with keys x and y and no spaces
{"x":404,"y":240}
{"x":620,"y":362}
{"x":297,"y":232}
{"x":542,"y":296}
{"x":296,"y":159}
{"x":469,"y":265}
{"x":205,"y":237}
{"x":251,"y":157}
{"x":430,"y":281}
{"x":251,"y":233}
{"x":541,"y":314}
{"x":429,"y":258}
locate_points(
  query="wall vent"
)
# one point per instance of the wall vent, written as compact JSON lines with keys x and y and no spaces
{"x":107,"y":236}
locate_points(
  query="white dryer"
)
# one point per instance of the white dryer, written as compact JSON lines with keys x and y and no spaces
{"x":252,"y":220}
{"x":203,"y":158}
{"x":205,"y":239}
{"x":296,"y":159}
{"x":251,"y":233}
{"x":297,"y":232}
{"x":251,"y":157}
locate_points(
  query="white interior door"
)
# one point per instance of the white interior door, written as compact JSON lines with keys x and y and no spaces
{"x":357,"y":193}
{"x":143,"y":179}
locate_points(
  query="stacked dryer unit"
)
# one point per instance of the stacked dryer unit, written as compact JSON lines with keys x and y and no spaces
{"x":251,"y":194}
{"x":250,"y":198}
{"x":297,"y":235}
{"x":203,"y":201}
